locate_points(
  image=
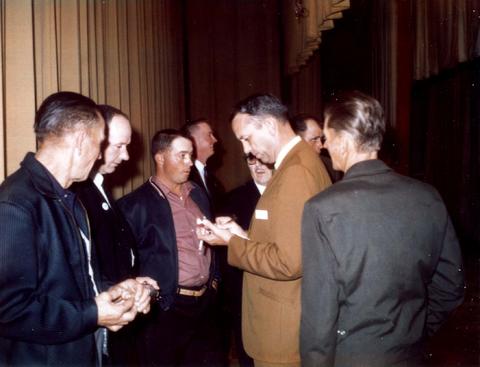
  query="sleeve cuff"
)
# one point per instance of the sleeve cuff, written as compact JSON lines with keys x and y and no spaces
{"x":90,"y":316}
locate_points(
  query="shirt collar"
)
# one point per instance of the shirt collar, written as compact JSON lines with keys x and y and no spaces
{"x":186,"y":187}
{"x":261,"y":188}
{"x":200,"y":166}
{"x":98,"y":179}
{"x":285,"y":149}
{"x":67,"y":196}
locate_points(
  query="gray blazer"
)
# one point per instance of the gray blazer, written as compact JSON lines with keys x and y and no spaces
{"x":382,"y":269}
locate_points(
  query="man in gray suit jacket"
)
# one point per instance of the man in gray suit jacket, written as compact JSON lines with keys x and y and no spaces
{"x":382,"y":264}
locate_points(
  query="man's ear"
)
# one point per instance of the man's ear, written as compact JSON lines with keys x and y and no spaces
{"x":79,"y":138}
{"x":347,"y":143}
{"x":159,"y":159}
{"x":271,"y":125}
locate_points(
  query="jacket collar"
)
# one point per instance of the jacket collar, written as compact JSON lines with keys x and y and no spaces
{"x":286,"y":149}
{"x":40,"y":176}
{"x":297,"y":148}
{"x":367,"y":168}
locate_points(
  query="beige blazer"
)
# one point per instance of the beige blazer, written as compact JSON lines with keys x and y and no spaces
{"x":272,"y":258}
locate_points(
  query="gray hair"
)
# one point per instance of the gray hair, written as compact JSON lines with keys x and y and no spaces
{"x":361,"y":116}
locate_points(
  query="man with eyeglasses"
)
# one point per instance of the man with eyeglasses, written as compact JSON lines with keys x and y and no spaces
{"x":240,"y":204}
{"x":310,"y":129}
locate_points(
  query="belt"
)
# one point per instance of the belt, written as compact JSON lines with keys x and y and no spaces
{"x":192,"y":292}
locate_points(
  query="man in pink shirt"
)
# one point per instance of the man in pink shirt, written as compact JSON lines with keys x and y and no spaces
{"x":163,"y":213}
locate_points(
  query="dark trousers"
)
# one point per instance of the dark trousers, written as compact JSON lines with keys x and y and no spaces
{"x":122,"y":348}
{"x":185,"y":335}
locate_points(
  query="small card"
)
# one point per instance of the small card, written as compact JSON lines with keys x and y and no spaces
{"x":261,"y":214}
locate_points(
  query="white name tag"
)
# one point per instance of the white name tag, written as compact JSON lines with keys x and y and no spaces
{"x":261,"y":214}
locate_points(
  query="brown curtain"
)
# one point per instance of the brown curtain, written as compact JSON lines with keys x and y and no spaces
{"x":445,"y":147}
{"x":232,"y":51}
{"x":17,"y":83}
{"x":304,"y":92}
{"x":121,"y":52}
{"x":304,"y":22}
{"x":445,"y":34}
{"x":359,"y":53}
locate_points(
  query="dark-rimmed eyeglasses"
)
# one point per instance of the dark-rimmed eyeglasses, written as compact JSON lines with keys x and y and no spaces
{"x":250,"y":158}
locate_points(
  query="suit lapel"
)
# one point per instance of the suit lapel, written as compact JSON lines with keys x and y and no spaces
{"x":195,"y":177}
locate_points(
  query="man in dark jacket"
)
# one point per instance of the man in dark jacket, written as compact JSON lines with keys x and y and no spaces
{"x":204,"y":142}
{"x":382,"y":266}
{"x":50,"y":307}
{"x":113,"y":242}
{"x":163,"y":213}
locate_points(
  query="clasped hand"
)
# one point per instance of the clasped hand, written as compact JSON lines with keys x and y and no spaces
{"x":120,"y":303}
{"x":219,"y":233}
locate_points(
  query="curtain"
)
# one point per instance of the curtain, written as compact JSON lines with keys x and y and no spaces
{"x":233,"y":50}
{"x":446,"y":32}
{"x":445,"y":142}
{"x":304,"y":22}
{"x":125,"y":53}
{"x":304,"y":92}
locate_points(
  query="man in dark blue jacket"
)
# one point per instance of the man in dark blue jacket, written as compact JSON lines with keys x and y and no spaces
{"x":163,"y":213}
{"x":50,"y":307}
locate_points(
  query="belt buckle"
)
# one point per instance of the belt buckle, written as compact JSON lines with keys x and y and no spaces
{"x":191,"y":292}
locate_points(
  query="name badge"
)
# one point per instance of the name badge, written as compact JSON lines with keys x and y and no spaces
{"x":261,"y":214}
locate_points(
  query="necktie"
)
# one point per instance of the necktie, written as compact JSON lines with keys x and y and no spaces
{"x":208,"y":183}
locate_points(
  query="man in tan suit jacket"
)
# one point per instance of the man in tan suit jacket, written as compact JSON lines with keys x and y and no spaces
{"x":270,"y":254}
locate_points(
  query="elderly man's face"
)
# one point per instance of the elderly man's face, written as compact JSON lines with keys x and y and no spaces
{"x":313,"y":135}
{"x":119,"y":136}
{"x":204,"y":139}
{"x":256,"y":138}
{"x":175,"y":163}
